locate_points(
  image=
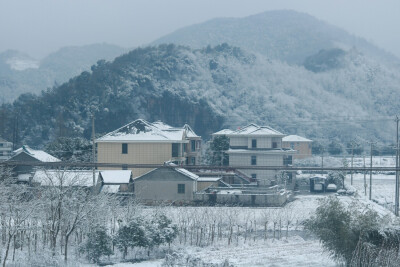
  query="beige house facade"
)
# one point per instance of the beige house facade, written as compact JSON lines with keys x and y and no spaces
{"x":141,"y":142}
{"x":302,"y":145}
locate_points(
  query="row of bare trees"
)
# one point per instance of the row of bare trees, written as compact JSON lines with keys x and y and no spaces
{"x":42,"y":222}
{"x":200,"y":226}
{"x":52,"y":221}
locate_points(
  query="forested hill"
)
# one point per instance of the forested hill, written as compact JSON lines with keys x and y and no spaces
{"x":20,"y":73}
{"x":284,"y":35}
{"x":211,"y":88}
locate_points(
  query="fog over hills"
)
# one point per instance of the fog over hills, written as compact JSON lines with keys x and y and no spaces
{"x":283,"y":34}
{"x":292,"y":72}
{"x":20,"y":73}
{"x":213,"y":88}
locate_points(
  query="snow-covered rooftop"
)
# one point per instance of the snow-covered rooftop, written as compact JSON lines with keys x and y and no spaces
{"x":223,"y":132}
{"x":295,"y":138}
{"x":254,"y":129}
{"x":143,"y":131}
{"x":37,"y":154}
{"x":116,"y":176}
{"x":187,"y":173}
{"x":189,"y":132}
{"x":208,"y":179}
{"x":64,"y":178}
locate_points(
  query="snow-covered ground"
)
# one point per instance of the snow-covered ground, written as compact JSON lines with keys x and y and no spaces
{"x":329,"y":161}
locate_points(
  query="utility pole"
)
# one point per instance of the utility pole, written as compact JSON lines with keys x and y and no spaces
{"x":93,"y":153}
{"x":322,"y":163}
{"x":370,"y":175}
{"x":396,"y":210}
{"x":365,"y":178}
{"x":352,"y":157}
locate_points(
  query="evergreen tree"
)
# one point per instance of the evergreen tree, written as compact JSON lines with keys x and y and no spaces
{"x":98,"y":244}
{"x":131,"y":235}
{"x":216,"y":153}
{"x":335,"y":148}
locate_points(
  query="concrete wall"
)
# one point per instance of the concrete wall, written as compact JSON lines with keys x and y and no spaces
{"x":236,"y":159}
{"x":204,"y":185}
{"x":238,"y":141}
{"x":162,"y":185}
{"x":303,"y":148}
{"x":138,"y":153}
{"x":263,"y":176}
{"x":262,"y":142}
{"x":269,"y":200}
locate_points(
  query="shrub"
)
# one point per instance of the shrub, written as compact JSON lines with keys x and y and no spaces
{"x":98,"y":244}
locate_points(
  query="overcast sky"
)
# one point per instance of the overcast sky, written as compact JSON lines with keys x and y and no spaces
{"x":39,"y":27}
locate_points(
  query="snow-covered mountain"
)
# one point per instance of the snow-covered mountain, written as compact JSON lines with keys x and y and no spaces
{"x":285,"y":35}
{"x":20,"y":73}
{"x":214,"y":88}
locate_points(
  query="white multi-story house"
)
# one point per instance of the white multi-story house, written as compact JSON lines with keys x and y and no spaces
{"x":259,"y":146}
{"x":5,"y":149}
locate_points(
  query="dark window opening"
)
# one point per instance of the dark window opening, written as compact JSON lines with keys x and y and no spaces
{"x":253,"y":160}
{"x":193,"y":161}
{"x":175,"y":150}
{"x":287,"y":160}
{"x":124,"y":167}
{"x":193,"y":145}
{"x":254,"y":143}
{"x":124,"y":148}
{"x":274,"y":145}
{"x":181,"y":188}
{"x":254,"y":176}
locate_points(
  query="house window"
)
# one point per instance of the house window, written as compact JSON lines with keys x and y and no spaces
{"x":287,"y":160}
{"x":193,"y":145}
{"x":274,"y":145}
{"x":193,"y":161}
{"x":175,"y":150}
{"x":254,"y":176}
{"x":124,"y":148}
{"x":254,"y":143}
{"x":292,"y":145}
{"x":253,"y":160}
{"x":181,"y":188}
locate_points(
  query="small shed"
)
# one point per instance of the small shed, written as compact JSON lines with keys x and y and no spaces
{"x":166,"y":185}
{"x":205,"y":182}
{"x":27,"y":154}
{"x":115,"y":181}
{"x":318,"y":184}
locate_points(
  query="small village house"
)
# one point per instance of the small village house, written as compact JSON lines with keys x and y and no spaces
{"x":115,"y":181}
{"x":141,"y":142}
{"x":27,"y":154}
{"x":302,"y":145}
{"x":175,"y":185}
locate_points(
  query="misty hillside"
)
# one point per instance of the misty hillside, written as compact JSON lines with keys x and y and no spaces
{"x":283,"y":34}
{"x":20,"y":73}
{"x":210,"y":89}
